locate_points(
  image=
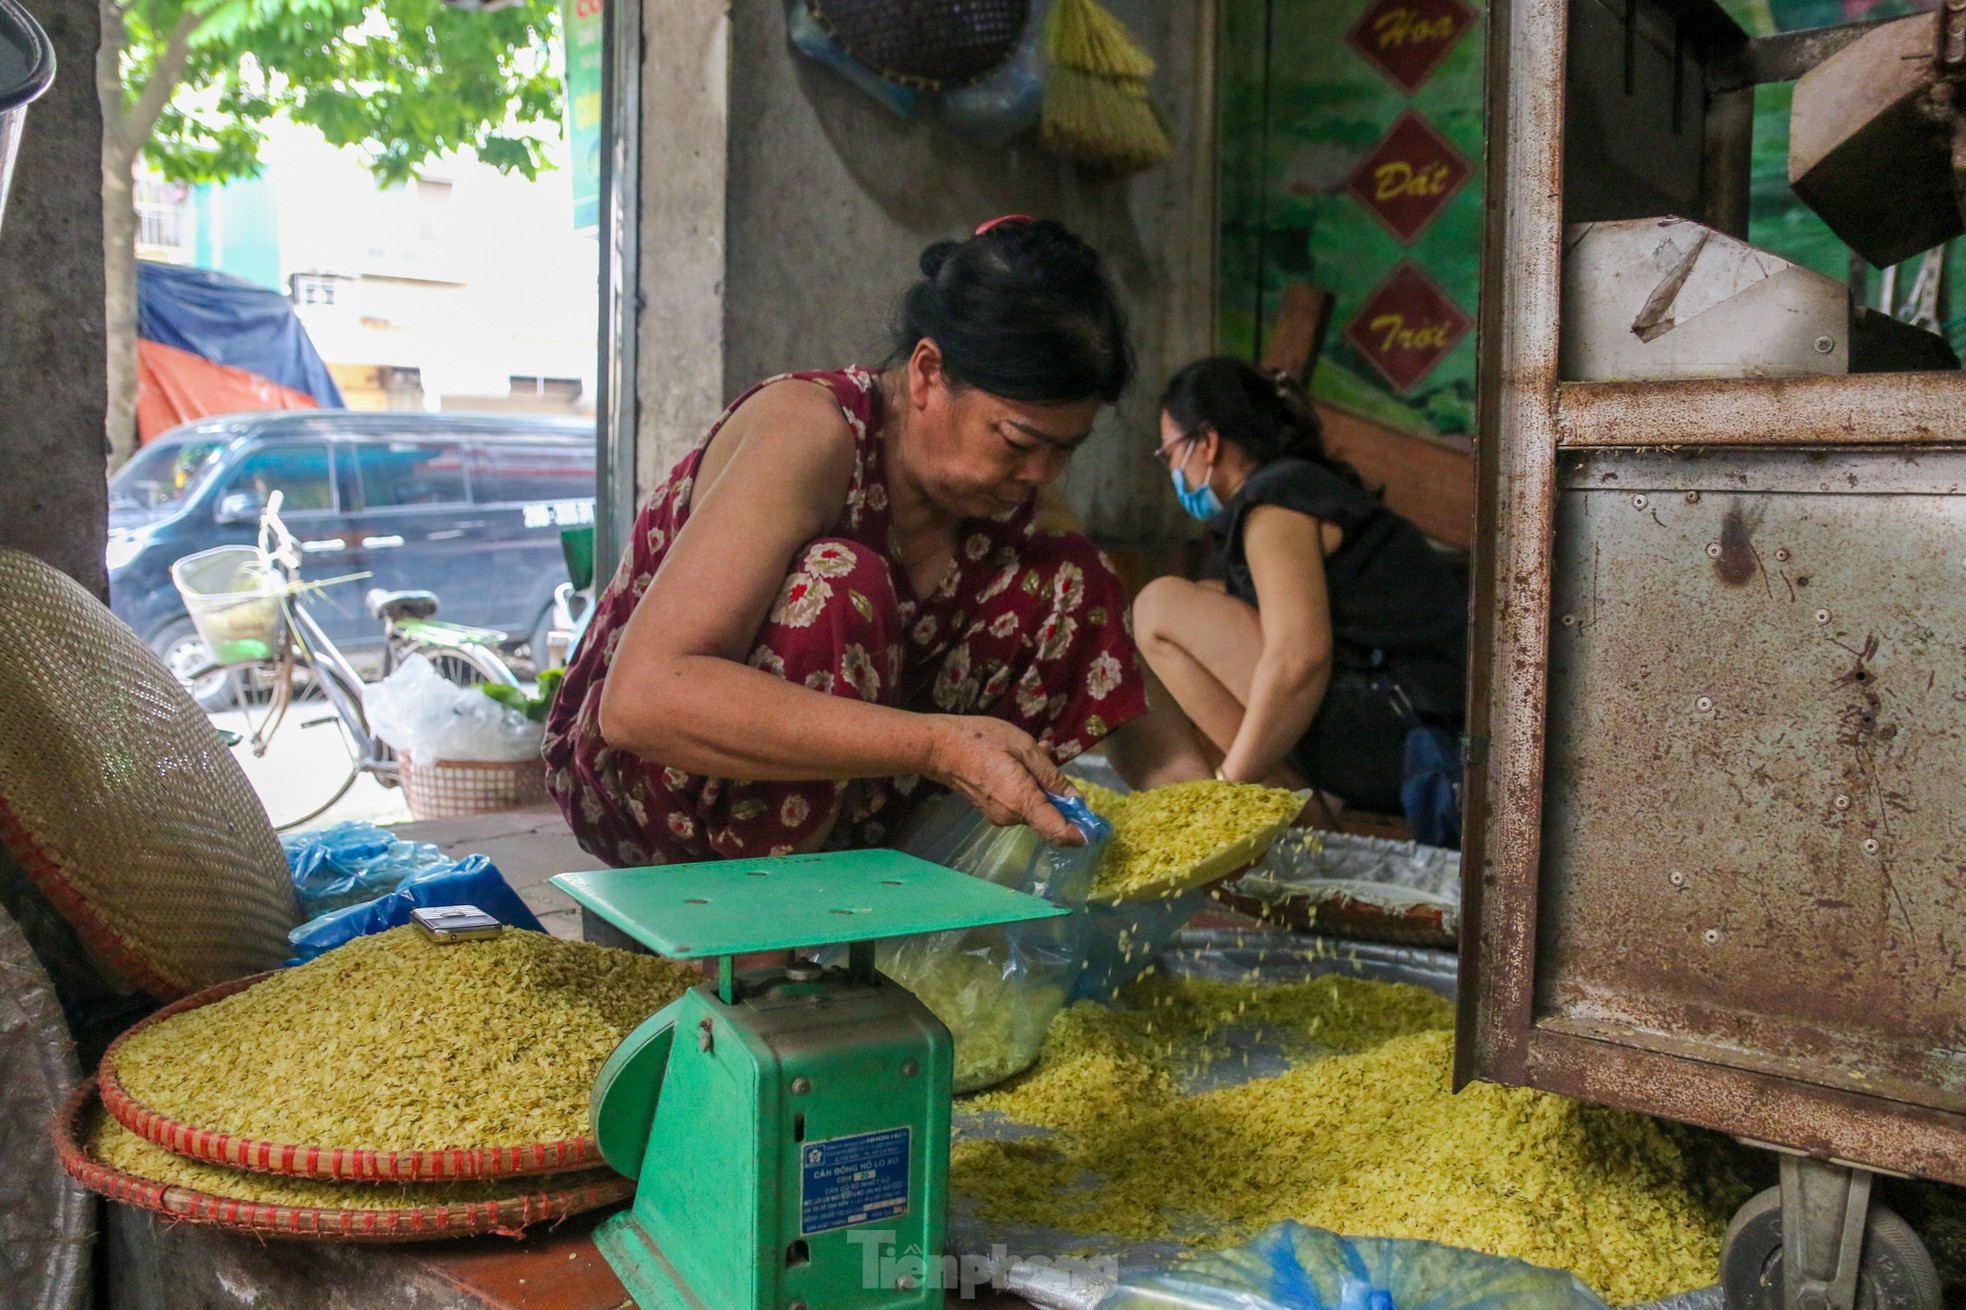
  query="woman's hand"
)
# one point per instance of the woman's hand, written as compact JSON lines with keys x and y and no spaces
{"x":1003,"y":772}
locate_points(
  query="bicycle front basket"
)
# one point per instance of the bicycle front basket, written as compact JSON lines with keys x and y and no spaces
{"x":234,"y":602}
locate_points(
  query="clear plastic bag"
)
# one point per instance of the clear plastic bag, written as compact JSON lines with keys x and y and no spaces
{"x":1294,"y":1267}
{"x":352,"y":862}
{"x":998,"y":988}
{"x":1122,"y":939}
{"x":425,"y":716}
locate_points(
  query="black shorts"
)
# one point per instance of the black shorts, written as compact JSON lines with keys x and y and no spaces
{"x":1355,"y":748}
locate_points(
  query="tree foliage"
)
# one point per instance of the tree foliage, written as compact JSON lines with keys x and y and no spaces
{"x":403,"y":80}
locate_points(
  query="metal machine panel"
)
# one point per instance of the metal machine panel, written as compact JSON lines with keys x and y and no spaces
{"x":1666,"y":298}
{"x":1820,"y":1016}
{"x":1754,"y":842}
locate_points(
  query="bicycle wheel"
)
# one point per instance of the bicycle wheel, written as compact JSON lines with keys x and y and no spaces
{"x":468,"y":666}
{"x":311,"y":759}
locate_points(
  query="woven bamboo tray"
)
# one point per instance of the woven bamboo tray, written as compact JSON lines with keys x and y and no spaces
{"x":347,"y":1165}
{"x":508,"y":1216}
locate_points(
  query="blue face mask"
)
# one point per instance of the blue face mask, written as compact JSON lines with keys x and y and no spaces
{"x":1201,"y":503}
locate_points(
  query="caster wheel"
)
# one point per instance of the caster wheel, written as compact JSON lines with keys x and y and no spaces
{"x":1896,"y":1273}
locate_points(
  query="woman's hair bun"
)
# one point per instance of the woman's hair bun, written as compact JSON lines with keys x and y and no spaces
{"x":936,"y":256}
{"x":1023,"y":310}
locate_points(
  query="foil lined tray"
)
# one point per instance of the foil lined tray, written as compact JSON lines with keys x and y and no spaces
{"x":1368,"y":888}
{"x":1051,"y":1267}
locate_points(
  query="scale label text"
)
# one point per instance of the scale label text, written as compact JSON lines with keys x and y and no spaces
{"x":852,"y":1180}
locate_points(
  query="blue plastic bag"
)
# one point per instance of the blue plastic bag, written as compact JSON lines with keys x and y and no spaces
{"x":1293,"y":1267}
{"x":352,"y":862}
{"x":1009,"y":102}
{"x":1430,"y":770}
{"x":1431,"y":791}
{"x":474,"y":880}
{"x":813,"y":41}
{"x":997,"y":989}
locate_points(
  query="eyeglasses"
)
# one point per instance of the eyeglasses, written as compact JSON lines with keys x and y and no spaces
{"x":1165,"y":454}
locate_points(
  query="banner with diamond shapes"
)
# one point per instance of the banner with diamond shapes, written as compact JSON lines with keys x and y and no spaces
{"x":1352,"y":148}
{"x":1409,"y":177}
{"x":1405,"y":327}
{"x":1407,"y":39}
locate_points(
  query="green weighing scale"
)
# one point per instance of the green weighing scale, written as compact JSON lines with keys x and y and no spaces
{"x":788,"y":1128}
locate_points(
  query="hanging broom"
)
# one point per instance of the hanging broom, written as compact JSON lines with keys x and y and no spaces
{"x":1096,"y":109}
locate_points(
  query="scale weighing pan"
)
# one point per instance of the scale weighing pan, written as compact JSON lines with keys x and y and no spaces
{"x":740,"y":907}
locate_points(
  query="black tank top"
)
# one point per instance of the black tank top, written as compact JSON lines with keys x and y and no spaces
{"x":1395,"y":601}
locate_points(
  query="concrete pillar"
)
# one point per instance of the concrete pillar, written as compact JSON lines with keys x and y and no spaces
{"x":685,"y":95}
{"x":53,"y":500}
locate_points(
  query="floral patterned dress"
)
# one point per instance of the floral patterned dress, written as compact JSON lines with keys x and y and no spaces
{"x":1027,"y":626}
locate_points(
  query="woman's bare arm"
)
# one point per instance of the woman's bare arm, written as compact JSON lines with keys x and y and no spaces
{"x":1285,"y":550}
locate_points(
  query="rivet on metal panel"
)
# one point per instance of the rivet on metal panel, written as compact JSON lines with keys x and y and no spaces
{"x":1842,"y":802}
{"x":796,"y":1305}
{"x":1822,"y":616}
{"x":1704,"y":705}
{"x":910,"y":1069}
{"x":1825,"y":344}
{"x":905,"y":1283}
{"x":1783,"y":554}
{"x":1713,"y":550}
{"x":1677,"y":878}
{"x":1870,"y":846}
{"x":1570,"y":620}
{"x":800,"y":1086}
{"x":1692,"y":497}
{"x":1711,"y":936}
{"x":1638,"y":502}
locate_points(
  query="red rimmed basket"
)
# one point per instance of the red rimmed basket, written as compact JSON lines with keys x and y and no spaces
{"x":508,"y":1216}
{"x":456,"y":1164}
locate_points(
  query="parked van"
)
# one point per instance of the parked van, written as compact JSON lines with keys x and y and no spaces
{"x":467,"y":506}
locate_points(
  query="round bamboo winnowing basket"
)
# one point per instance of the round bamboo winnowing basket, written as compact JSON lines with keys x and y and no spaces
{"x":312,"y":1161}
{"x":121,"y":803}
{"x":931,"y":45}
{"x":508,"y":1215}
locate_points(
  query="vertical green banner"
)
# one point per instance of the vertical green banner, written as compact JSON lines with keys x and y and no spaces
{"x":581,"y":22}
{"x":1351,"y":161}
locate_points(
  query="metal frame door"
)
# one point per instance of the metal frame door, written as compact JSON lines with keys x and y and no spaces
{"x":1711,"y":867}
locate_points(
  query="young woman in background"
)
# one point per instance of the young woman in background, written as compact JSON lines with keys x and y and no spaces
{"x":1330,"y":607}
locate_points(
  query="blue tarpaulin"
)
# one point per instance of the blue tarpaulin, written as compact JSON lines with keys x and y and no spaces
{"x":231,"y":322}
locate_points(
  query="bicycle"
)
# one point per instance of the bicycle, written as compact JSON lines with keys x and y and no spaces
{"x":268,"y":627}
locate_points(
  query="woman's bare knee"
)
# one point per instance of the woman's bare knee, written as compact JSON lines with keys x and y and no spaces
{"x":1157,"y":609}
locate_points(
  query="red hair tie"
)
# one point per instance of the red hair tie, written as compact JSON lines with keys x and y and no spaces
{"x":1007,"y":218}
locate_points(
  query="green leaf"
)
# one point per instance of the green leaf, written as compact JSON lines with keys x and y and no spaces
{"x":535,"y":706}
{"x":511,"y":697}
{"x":404,"y":81}
{"x":861,"y":603}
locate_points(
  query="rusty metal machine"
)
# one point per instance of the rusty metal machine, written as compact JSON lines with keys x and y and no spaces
{"x":1716,"y":863}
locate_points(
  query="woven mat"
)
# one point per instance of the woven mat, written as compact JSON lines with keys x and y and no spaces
{"x":507,"y":1215}
{"x":341,"y":1164}
{"x":120,"y":801}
